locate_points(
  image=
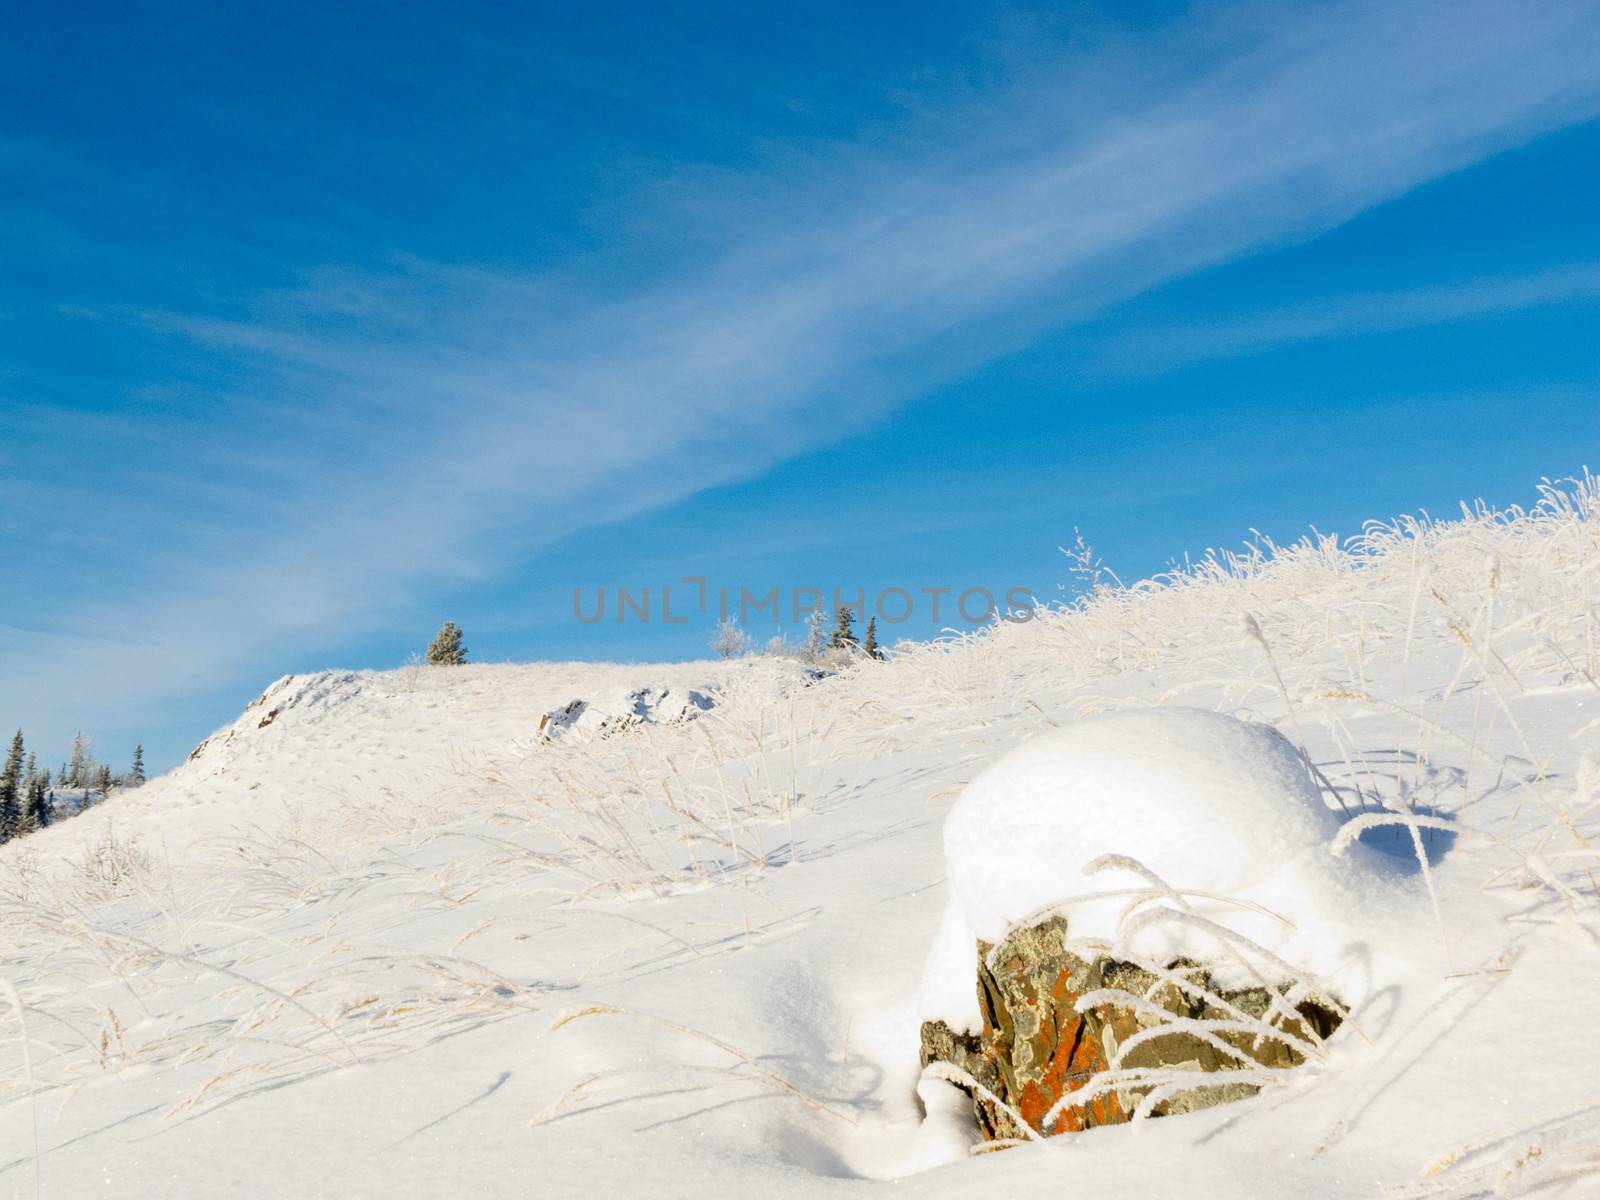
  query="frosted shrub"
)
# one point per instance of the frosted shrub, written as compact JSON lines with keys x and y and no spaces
{"x":728,"y":640}
{"x":112,"y":864}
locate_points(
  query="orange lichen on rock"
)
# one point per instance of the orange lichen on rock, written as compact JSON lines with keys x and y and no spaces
{"x":1035,"y":1048}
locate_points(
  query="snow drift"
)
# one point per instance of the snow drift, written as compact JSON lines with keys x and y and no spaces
{"x":1226,"y":812}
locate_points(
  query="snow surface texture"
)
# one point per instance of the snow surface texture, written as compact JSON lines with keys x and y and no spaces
{"x":327,"y":957}
{"x":1226,"y":809}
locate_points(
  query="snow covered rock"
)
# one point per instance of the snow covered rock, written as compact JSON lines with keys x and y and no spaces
{"x":325,"y":688}
{"x":621,"y":711}
{"x":1167,"y":868}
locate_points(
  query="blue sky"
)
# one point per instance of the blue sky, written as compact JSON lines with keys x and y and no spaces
{"x":321,"y":323}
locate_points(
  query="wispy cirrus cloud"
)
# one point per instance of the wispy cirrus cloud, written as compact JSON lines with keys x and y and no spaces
{"x":1354,"y":314}
{"x":382,"y":430}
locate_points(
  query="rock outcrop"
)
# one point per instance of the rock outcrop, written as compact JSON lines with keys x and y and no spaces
{"x":1036,"y":1048}
{"x":609,"y":715}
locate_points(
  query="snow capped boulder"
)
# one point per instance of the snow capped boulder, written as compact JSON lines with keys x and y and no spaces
{"x":1226,"y":811}
{"x":620,"y":711}
{"x":1167,"y":868}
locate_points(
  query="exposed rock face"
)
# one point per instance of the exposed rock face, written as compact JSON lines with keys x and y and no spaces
{"x":1036,"y":1047}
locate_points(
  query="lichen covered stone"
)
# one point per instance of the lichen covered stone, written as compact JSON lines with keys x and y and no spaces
{"x":1035,"y":1047}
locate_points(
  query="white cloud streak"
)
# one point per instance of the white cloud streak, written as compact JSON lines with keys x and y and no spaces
{"x":1350,"y":315}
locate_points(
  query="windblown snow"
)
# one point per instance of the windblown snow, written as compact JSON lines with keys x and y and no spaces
{"x":382,"y":937}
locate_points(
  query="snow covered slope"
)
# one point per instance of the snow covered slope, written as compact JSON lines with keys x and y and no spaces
{"x":342,"y":740}
{"x":331,"y":956}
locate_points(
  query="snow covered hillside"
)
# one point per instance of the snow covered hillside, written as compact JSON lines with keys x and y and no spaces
{"x":381,"y":937}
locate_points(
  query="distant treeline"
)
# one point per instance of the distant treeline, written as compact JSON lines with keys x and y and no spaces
{"x":30,"y":798}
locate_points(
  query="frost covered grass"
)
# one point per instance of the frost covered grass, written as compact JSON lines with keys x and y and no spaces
{"x":243,"y":930}
{"x":643,"y":815}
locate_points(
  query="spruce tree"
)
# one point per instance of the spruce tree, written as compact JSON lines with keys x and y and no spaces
{"x":136,"y":771}
{"x":79,"y":771}
{"x":844,"y":638}
{"x":446,"y":649}
{"x":26,"y":822}
{"x":38,"y":814}
{"x":871,"y":644}
{"x":10,"y":787}
{"x":102,"y":780}
{"x":30,"y":780}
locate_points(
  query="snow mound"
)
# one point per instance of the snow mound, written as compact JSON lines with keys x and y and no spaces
{"x":1214,"y":806}
{"x":620,"y":711}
